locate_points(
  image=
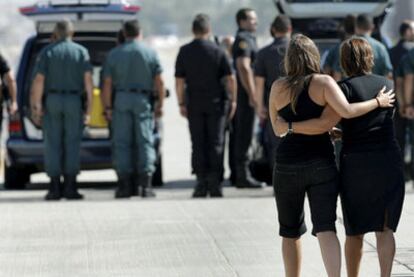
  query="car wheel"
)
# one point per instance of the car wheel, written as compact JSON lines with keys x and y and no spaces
{"x":157,"y":180}
{"x":16,"y":177}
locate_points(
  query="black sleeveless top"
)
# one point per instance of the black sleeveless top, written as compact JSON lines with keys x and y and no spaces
{"x":374,"y":130}
{"x":298,"y":148}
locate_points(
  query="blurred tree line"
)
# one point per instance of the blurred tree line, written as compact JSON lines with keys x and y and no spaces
{"x":165,"y":17}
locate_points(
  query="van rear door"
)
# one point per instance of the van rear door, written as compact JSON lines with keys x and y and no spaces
{"x":96,"y":24}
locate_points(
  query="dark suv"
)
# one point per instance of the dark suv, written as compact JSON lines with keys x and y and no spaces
{"x":25,"y":143}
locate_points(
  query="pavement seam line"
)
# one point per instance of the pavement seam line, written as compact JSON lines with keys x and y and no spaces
{"x":215,"y":243}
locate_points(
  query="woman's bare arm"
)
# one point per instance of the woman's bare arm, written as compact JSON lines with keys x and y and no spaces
{"x":336,"y":99}
{"x":315,"y":126}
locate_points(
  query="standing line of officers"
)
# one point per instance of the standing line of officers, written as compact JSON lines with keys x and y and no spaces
{"x":218,"y":89}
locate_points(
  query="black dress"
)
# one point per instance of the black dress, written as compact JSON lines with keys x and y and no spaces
{"x":372,"y":179}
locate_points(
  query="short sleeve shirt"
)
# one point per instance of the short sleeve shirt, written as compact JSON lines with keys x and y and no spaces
{"x":245,"y":45}
{"x":407,"y":64}
{"x":333,"y":59}
{"x":63,"y":64}
{"x":203,"y":64}
{"x":4,"y":66}
{"x":382,"y":61}
{"x":269,"y":63}
{"x":132,"y":65}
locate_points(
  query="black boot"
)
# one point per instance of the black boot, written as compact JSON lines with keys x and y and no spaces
{"x":134,"y":185}
{"x":245,"y":180}
{"x":55,"y":189}
{"x":124,"y":187}
{"x":200,"y":191}
{"x":145,"y":183}
{"x":214,"y":185}
{"x":71,"y":191}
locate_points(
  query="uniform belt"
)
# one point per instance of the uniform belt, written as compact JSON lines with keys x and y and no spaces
{"x":135,"y":90}
{"x":64,"y":91}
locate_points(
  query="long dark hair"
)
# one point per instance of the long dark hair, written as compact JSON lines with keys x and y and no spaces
{"x":301,"y":61}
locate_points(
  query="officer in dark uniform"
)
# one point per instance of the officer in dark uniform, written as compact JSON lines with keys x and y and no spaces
{"x":62,"y":74}
{"x":8,"y":88}
{"x":405,"y":44}
{"x":244,"y":54}
{"x":405,"y":71}
{"x":133,"y":71}
{"x":201,"y":65}
{"x":268,"y":68}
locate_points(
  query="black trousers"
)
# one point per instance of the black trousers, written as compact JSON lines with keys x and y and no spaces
{"x":402,"y":126}
{"x":242,"y":132}
{"x":318,"y":179}
{"x":207,"y":126}
{"x":271,"y":142}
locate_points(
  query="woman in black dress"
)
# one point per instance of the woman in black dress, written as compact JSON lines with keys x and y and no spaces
{"x":305,"y":165}
{"x":371,"y":169}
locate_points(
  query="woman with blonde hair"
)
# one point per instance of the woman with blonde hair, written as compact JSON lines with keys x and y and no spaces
{"x":305,"y":164}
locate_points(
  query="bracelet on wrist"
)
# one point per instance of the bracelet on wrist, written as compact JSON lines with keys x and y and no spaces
{"x":378,"y":102}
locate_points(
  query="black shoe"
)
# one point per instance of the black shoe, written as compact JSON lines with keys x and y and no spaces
{"x":200,"y":191}
{"x":134,"y":181}
{"x":124,"y":187}
{"x":214,"y":186}
{"x":249,"y":183}
{"x":232,"y":179}
{"x":245,"y":180}
{"x":145,"y":183}
{"x":55,"y":189}
{"x":70,"y":188}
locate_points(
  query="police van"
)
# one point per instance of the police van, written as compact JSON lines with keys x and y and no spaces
{"x":319,"y":20}
{"x":96,"y":23}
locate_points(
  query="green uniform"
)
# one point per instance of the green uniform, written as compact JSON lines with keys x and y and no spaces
{"x":63,"y":65}
{"x":132,"y":67}
{"x":382,"y":61}
{"x":332,"y":59}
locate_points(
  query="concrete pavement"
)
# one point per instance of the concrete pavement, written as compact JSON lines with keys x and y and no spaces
{"x":172,"y":235}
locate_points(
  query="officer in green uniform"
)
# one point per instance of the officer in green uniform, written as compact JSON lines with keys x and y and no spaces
{"x":62,"y":74}
{"x":332,"y":62}
{"x":134,"y":71}
{"x":382,"y":61}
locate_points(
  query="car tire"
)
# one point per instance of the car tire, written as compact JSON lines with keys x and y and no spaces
{"x":16,"y":177}
{"x":157,"y":180}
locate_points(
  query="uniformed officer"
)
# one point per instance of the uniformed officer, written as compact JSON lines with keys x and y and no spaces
{"x":405,"y":44}
{"x":406,"y":71}
{"x":200,"y":68}
{"x":134,"y":71}
{"x":244,"y":54}
{"x":269,"y":67}
{"x":382,"y":62}
{"x":332,"y":62}
{"x":62,"y":74}
{"x":8,"y":88}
